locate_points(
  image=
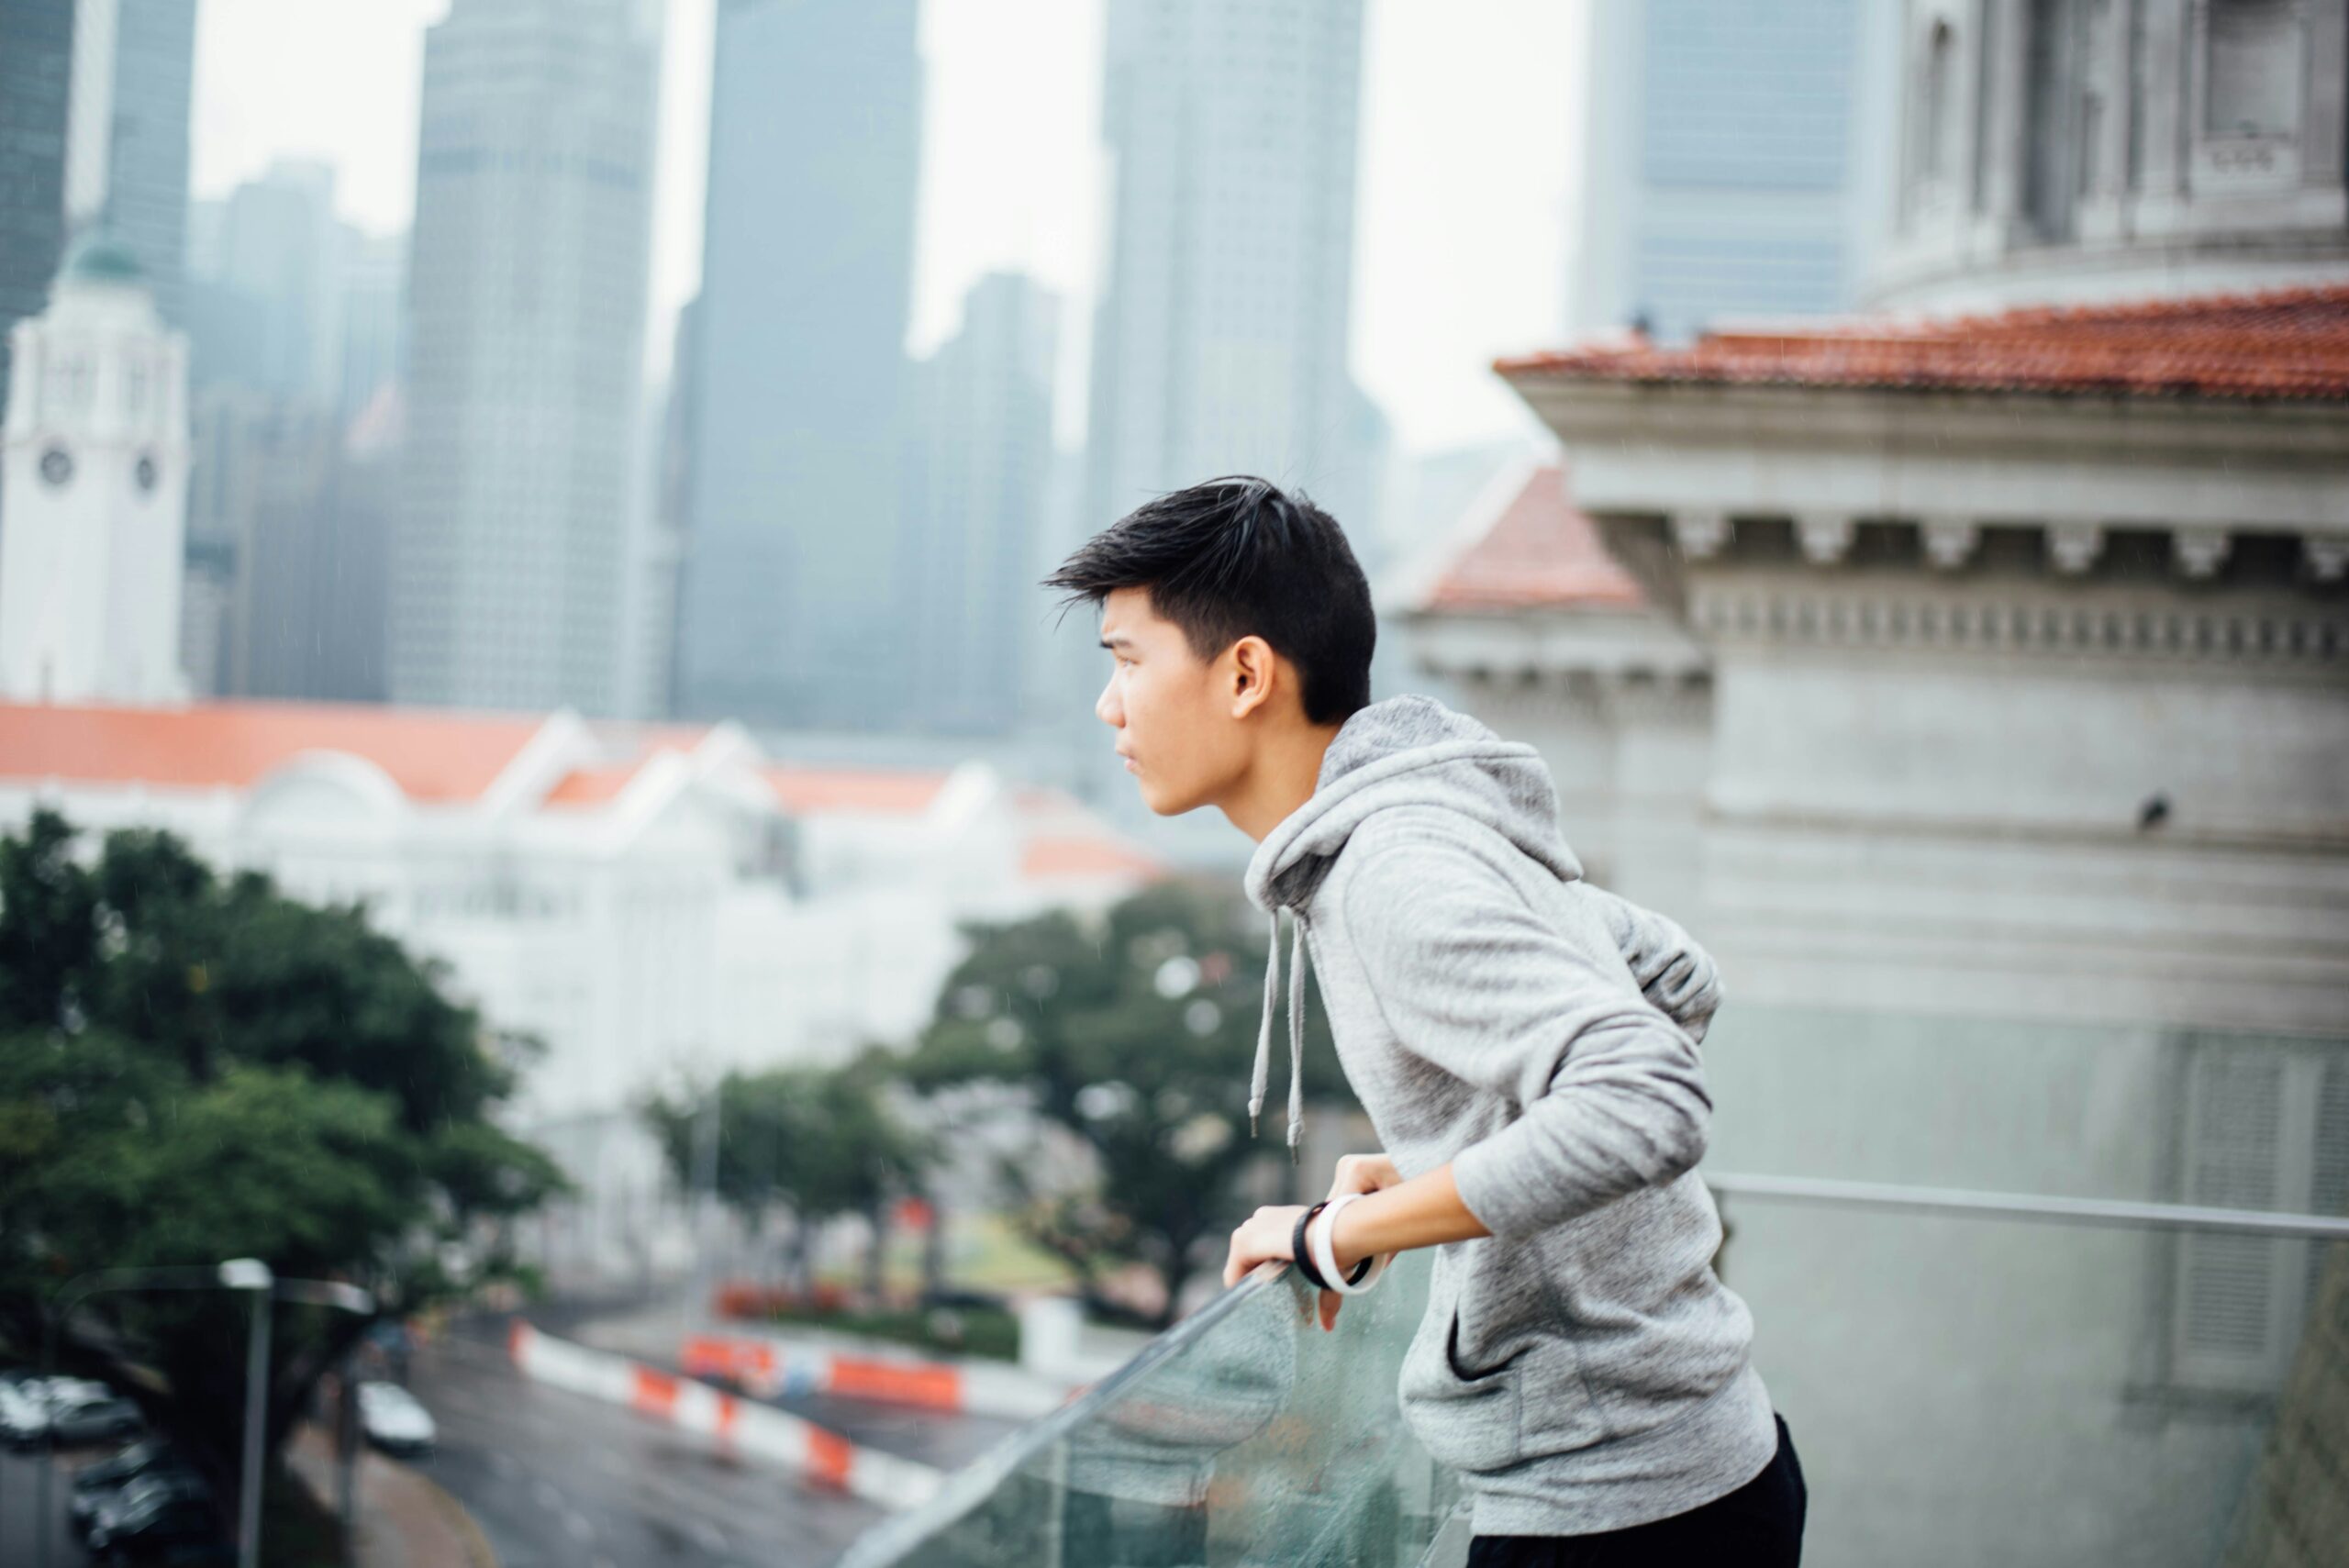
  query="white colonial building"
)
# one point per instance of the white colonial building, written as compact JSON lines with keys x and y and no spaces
{"x":1977,"y":687}
{"x":93,"y":452}
{"x":1980,"y":692}
{"x":655,"y":905}
{"x":2097,"y":149}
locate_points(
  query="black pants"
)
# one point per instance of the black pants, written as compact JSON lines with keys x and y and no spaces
{"x":1757,"y":1526}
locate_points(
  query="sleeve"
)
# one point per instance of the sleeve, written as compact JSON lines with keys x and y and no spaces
{"x":1673,"y":973}
{"x":1472,"y":980}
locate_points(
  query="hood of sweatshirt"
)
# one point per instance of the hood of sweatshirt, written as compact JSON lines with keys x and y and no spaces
{"x":1406,"y":750}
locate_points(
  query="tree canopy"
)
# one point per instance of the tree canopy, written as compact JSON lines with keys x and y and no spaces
{"x":194,"y":1068}
{"x":1135,"y":1035}
{"x":820,"y":1142}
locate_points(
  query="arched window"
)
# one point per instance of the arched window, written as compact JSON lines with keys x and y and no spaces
{"x":2252,"y":69}
{"x":1936,"y":107}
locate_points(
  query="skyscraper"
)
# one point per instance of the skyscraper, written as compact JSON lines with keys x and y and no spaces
{"x":146,"y":137}
{"x":35,"y":88}
{"x":1221,"y":339}
{"x":264,"y":307}
{"x":795,"y":588}
{"x":527,"y":283}
{"x":1735,"y":159}
{"x":983,"y":455}
{"x":372,"y":323}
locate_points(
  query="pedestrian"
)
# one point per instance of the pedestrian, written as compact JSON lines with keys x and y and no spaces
{"x":1526,"y":1046}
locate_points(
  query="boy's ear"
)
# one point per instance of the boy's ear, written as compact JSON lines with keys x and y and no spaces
{"x":1252,"y":675}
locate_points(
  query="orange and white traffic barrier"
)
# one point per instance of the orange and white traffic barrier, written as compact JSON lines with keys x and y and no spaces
{"x":770,"y":1367}
{"x":743,"y":1427}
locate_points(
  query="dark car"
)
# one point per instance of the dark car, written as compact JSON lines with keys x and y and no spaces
{"x":157,"y":1515}
{"x":105,"y":1419}
{"x":92,"y":1486}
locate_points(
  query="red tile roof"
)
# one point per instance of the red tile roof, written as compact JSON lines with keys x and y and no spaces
{"x":2289,"y":344}
{"x":1540,"y":549}
{"x":593,"y":786}
{"x":1046,"y":857}
{"x":430,"y":755}
{"x":806,"y":789}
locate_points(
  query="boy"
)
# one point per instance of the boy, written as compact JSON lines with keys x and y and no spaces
{"x":1524,"y":1043}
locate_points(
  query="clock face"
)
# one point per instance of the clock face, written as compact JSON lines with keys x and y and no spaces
{"x":57,"y":466}
{"x":145,"y":472}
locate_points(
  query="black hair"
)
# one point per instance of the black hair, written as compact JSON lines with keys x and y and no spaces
{"x":1237,"y":556}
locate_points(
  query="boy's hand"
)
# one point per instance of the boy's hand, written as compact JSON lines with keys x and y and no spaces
{"x":1356,"y":1174}
{"x":1365,"y":1173}
{"x":1263,"y":1237}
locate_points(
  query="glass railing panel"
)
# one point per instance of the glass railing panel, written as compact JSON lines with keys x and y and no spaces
{"x":1965,"y":1389}
{"x":1244,"y":1435}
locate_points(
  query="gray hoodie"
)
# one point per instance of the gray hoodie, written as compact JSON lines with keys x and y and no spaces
{"x":1583,"y":1367}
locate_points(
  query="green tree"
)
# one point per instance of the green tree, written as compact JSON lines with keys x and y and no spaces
{"x":817,"y":1142}
{"x":1137,"y":1036}
{"x":194,"y":1068}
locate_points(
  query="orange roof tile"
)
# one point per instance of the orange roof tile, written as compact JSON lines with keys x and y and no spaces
{"x":432,"y":755}
{"x":1540,"y":551}
{"x":1085,"y":856}
{"x":807,"y":789}
{"x":592,"y":786}
{"x":2289,"y":344}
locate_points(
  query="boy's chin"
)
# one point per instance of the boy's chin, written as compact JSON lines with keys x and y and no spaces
{"x":1163,"y":805}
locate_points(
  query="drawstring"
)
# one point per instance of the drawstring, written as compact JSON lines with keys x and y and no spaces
{"x":1264,"y":1030}
{"x":1258,"y":1080}
{"x":1296,"y":1032}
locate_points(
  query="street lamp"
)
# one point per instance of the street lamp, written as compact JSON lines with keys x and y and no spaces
{"x":252,"y":1274}
{"x":237,"y":1274}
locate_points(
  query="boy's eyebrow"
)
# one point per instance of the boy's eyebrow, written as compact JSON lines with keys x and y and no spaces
{"x":1120,"y":641}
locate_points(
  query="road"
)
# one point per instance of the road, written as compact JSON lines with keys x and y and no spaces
{"x":19,"y":1490}
{"x":557,"y":1479}
{"x":554,"y":1478}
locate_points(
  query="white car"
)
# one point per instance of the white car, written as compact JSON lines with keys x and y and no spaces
{"x":35,"y":1409}
{"x":393,"y":1420}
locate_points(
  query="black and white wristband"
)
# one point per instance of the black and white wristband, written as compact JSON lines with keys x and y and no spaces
{"x":1312,"y":1247}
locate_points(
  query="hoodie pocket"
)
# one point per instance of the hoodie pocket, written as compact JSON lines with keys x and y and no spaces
{"x":1466,"y":1417}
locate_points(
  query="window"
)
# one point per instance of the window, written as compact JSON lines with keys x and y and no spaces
{"x":2251,"y":62}
{"x":2264,"y":1125}
{"x":1937,"y":105}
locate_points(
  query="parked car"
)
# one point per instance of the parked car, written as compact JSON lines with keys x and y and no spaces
{"x":68,"y":1410}
{"x":393,"y":1419}
{"x":93,"y":1485}
{"x":157,"y":1515}
{"x":76,"y":1420}
{"x":24,"y":1413}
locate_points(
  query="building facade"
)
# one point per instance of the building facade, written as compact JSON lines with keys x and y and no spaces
{"x":1980,"y":703}
{"x":93,"y":458}
{"x":794,"y":598}
{"x":2069,"y":151}
{"x":527,"y":283}
{"x":1733,"y":161}
{"x":2008,"y":793}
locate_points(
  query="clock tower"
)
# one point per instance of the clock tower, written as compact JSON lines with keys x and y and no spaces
{"x":94,"y":454}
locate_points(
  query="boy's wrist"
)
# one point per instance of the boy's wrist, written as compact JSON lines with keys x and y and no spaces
{"x":1347,"y":1218}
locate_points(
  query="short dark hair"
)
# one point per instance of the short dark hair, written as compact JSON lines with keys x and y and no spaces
{"x":1235,"y":556}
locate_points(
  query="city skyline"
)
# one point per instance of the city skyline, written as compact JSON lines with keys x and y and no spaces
{"x":1467,"y":148}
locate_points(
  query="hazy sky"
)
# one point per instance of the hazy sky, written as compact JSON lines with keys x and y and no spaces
{"x":1467,"y":156}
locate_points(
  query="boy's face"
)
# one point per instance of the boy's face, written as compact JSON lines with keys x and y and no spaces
{"x":1181,"y":720}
